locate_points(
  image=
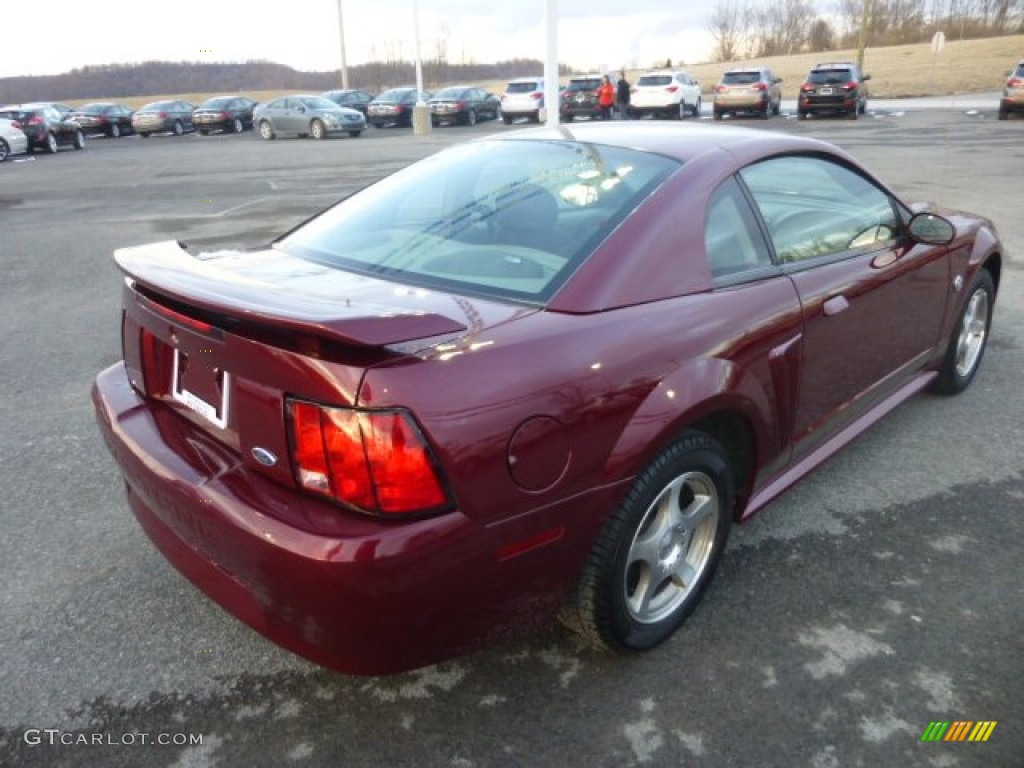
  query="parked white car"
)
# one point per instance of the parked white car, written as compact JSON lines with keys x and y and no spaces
{"x":13,"y":141}
{"x":523,"y":97}
{"x":667,"y":93}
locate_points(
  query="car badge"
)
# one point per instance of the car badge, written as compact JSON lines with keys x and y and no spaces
{"x":264,"y":457}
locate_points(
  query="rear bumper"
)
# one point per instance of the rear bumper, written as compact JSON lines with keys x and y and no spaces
{"x":349,"y":592}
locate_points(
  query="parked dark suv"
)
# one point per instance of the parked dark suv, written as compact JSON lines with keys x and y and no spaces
{"x":45,"y":127}
{"x":836,"y":88}
{"x":579,"y":99}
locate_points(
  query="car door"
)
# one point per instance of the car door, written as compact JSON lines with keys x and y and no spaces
{"x":873,"y":302}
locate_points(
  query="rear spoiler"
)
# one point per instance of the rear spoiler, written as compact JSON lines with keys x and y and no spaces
{"x":168,"y":269}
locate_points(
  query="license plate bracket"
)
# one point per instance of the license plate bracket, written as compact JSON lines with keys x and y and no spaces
{"x":201,"y":388}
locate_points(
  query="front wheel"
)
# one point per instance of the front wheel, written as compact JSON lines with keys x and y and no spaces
{"x":5,"y":150}
{"x":115,"y":131}
{"x":51,"y":144}
{"x":79,"y":140}
{"x":266,"y":130}
{"x":659,"y":549}
{"x":179,"y":129}
{"x":506,"y":119}
{"x":471,"y":117}
{"x":317,"y":130}
{"x":237,"y":126}
{"x":970,"y":336}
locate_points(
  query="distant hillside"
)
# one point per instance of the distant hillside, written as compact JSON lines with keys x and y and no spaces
{"x":162,"y":77}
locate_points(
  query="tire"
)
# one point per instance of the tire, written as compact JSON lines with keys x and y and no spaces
{"x":969,"y":338}
{"x":317,"y":130}
{"x":696,"y":108}
{"x":115,"y":131}
{"x":203,"y":132}
{"x":506,"y":119}
{"x":801,"y":115}
{"x":51,"y":144}
{"x":5,"y":150}
{"x":179,"y":129}
{"x":1004,"y":114}
{"x":237,"y":126}
{"x":266,"y":130}
{"x":718,"y":114}
{"x":767,"y":111}
{"x":355,"y":134}
{"x":471,"y":117}
{"x":855,"y":113}
{"x":79,"y":140}
{"x":659,"y":549}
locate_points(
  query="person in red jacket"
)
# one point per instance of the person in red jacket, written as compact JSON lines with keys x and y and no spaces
{"x":606,"y":97}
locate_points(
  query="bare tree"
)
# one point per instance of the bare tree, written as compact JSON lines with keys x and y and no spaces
{"x":727,"y":29}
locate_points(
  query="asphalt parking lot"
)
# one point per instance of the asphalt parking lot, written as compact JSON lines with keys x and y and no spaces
{"x":880,"y":595}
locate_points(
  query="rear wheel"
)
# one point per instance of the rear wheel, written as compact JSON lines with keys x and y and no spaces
{"x":115,"y":131}
{"x":203,"y":132}
{"x":659,"y":549}
{"x":79,"y":140}
{"x":506,"y":119}
{"x":471,"y":117}
{"x":1004,"y":114}
{"x":317,"y":130}
{"x":237,"y":125}
{"x":696,"y":108}
{"x":179,"y":129}
{"x":5,"y":150}
{"x":801,"y":115}
{"x":970,"y":336}
{"x":354,"y":134}
{"x":266,"y":130}
{"x":51,"y":143}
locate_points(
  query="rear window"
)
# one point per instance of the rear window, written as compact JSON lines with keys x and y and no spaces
{"x":655,"y":80}
{"x":218,"y":103}
{"x":501,"y":219}
{"x":394,"y":95}
{"x":1020,"y":69}
{"x":830,"y":76}
{"x":157,"y":106}
{"x":590,"y":84}
{"x":522,"y":87}
{"x":451,"y":93}
{"x":741,"y":78}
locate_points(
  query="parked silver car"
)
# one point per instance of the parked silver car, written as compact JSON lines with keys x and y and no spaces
{"x":305,"y":115}
{"x":13,"y":140}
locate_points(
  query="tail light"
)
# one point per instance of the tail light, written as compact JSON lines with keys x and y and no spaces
{"x":1015,"y":82}
{"x":376,"y":461}
{"x":16,"y":124}
{"x":162,"y":115}
{"x":760,"y":87}
{"x":36,"y":120}
{"x":672,"y":88}
{"x":225,"y":115}
{"x":850,"y":86}
{"x":721,"y":88}
{"x":807,"y":87}
{"x":536,"y":96}
{"x":460,"y":105}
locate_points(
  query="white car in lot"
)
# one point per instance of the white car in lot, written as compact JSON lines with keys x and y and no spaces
{"x":523,"y":97}
{"x":668,"y":93}
{"x":13,"y":140}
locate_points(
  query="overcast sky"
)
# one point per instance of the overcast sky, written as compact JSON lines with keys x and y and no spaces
{"x":304,"y":33}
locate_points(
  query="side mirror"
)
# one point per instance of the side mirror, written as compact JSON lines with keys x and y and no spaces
{"x":777,"y":80}
{"x":865,"y":77}
{"x":931,"y":229}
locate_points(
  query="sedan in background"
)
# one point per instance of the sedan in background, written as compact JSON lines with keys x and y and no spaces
{"x":304,"y":115}
{"x":105,"y":118}
{"x":13,"y":140}
{"x":164,"y":117}
{"x":463,"y":105}
{"x":44,"y":127}
{"x":394,"y":107}
{"x":353,"y":99}
{"x":230,"y":114}
{"x":511,"y":382}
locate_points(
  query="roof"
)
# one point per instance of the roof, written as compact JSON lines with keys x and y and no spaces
{"x":682,"y":141}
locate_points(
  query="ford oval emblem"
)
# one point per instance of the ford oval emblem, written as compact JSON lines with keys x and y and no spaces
{"x":264,"y":457}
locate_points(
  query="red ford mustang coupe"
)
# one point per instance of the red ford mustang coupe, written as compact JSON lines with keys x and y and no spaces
{"x":529,"y":376}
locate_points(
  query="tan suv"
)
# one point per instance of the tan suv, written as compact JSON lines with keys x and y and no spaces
{"x":1013,"y":93}
{"x":750,"y":90}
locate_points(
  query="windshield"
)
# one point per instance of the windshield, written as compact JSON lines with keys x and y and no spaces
{"x":740,"y":78}
{"x":504,"y":219}
{"x":584,"y":85}
{"x":523,"y":87}
{"x":830,"y":76}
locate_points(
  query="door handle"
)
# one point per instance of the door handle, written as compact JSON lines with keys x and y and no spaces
{"x":835,"y":305}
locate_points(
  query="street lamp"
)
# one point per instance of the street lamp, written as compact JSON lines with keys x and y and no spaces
{"x":341,"y":45}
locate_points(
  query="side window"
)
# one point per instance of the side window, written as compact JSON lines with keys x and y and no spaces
{"x":815,"y":207}
{"x":732,"y":240}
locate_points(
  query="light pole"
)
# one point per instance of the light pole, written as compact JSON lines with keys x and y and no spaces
{"x":420,"y":112}
{"x":341,"y":45}
{"x":552,"y":96}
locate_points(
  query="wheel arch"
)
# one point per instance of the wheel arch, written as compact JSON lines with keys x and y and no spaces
{"x":715,"y":397}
